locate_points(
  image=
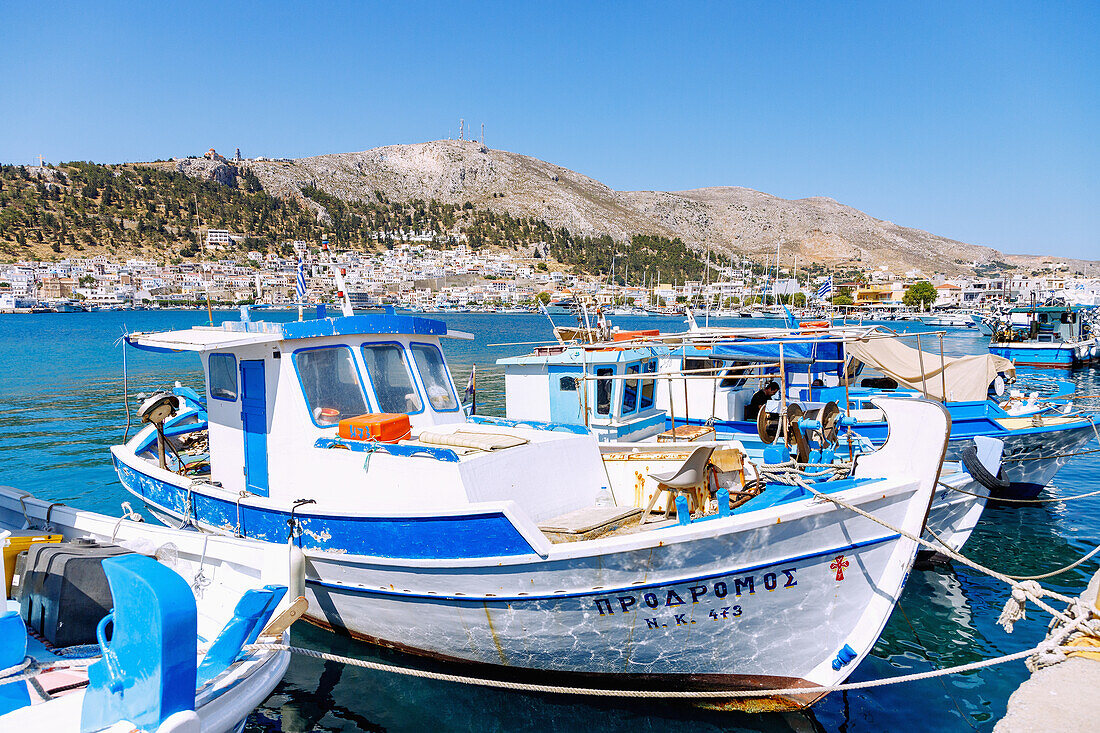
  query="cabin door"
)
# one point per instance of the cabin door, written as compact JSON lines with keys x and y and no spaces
{"x":566,"y":395}
{"x":254,"y":422}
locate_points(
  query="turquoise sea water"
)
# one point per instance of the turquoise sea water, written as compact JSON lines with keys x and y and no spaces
{"x":61,"y":401}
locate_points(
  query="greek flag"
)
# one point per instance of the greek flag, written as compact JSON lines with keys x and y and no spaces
{"x":300,"y":289}
{"x":826,"y":288}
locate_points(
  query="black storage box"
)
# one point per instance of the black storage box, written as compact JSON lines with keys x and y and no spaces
{"x":64,"y":590}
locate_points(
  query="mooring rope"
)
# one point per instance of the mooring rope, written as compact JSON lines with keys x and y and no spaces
{"x":1053,"y":455}
{"x":1051,"y":574}
{"x":1050,"y":500}
{"x":30,"y":668}
{"x":687,"y":694}
{"x":1021,"y":591}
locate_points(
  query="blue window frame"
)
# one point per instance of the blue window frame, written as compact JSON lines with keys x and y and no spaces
{"x":390,"y":377}
{"x":222,"y":382}
{"x":331,"y":384}
{"x":648,"y":385}
{"x":434,"y":377}
{"x":630,"y":390}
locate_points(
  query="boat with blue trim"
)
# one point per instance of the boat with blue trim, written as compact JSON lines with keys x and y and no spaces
{"x":708,"y":376}
{"x":117,"y":624}
{"x":643,"y":402}
{"x":498,"y":542}
{"x":1062,"y":336}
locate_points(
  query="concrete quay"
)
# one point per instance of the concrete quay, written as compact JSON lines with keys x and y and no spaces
{"x":1061,"y":697}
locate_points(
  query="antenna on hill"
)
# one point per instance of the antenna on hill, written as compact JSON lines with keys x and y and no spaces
{"x":482,"y":133}
{"x":461,"y":129}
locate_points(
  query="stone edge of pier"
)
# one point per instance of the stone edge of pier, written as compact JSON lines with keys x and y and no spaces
{"x":1061,"y":697}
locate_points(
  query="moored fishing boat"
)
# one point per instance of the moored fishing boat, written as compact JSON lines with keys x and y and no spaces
{"x":949,"y":319}
{"x":726,"y":367}
{"x":622,"y":394}
{"x":432,"y":533}
{"x":1046,"y":336}
{"x":183,"y":605}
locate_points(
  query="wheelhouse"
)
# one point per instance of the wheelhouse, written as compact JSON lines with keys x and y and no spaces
{"x":610,"y":390}
{"x":272,"y":388}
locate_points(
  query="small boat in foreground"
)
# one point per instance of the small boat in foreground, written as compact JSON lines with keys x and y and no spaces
{"x":182,"y":606}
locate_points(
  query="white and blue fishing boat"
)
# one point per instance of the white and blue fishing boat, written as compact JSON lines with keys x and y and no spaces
{"x":627,"y":397}
{"x":445,"y":536}
{"x":122,"y":625}
{"x":726,"y":367}
{"x":1047,"y":336}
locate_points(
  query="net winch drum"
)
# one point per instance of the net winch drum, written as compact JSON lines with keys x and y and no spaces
{"x":768,"y":425}
{"x":825,"y":421}
{"x":797,"y":426}
{"x":793,"y":433}
{"x":158,"y":408}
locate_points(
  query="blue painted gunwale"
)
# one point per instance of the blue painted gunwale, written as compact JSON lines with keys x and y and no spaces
{"x":599,"y":591}
{"x":460,"y":536}
{"x":963,"y":427}
{"x":438,"y":453}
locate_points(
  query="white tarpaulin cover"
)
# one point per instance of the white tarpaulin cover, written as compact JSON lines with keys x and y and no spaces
{"x":967,"y":377}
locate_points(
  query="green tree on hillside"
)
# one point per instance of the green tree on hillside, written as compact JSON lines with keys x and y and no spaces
{"x":920,"y":294}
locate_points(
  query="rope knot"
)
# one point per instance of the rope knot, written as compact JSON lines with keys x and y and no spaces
{"x":1016,"y":606}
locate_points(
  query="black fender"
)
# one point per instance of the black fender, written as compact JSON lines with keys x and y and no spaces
{"x":981,"y":474}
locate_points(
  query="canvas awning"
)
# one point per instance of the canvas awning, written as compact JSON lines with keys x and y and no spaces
{"x":967,"y":378}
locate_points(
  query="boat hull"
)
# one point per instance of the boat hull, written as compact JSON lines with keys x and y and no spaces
{"x":1045,"y":355}
{"x":713,"y":608}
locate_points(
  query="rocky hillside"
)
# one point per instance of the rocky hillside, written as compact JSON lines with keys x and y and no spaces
{"x":726,"y":218}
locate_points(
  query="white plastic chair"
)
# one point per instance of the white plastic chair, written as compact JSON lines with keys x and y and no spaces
{"x":692,"y":474}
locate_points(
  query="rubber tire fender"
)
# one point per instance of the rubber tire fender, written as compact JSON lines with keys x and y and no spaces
{"x":981,"y":474}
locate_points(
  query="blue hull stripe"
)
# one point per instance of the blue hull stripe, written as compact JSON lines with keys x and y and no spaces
{"x":489,"y":534}
{"x":600,"y":591}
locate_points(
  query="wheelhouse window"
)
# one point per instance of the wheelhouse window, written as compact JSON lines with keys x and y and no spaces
{"x":698,"y":365}
{"x":646,"y":401}
{"x":433,"y":375}
{"x":391,"y":378}
{"x":630,"y":390}
{"x":223,"y":377}
{"x":330,"y":383}
{"x":603,"y":391}
{"x":735,"y":376}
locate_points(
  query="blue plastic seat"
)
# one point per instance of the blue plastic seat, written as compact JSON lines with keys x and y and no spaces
{"x":249,"y":616}
{"x":147,"y":672}
{"x":13,"y":650}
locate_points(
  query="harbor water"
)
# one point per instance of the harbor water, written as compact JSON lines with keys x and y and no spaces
{"x":61,"y":397}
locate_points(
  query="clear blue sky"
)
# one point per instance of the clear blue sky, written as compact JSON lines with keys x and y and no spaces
{"x":974,"y":121}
